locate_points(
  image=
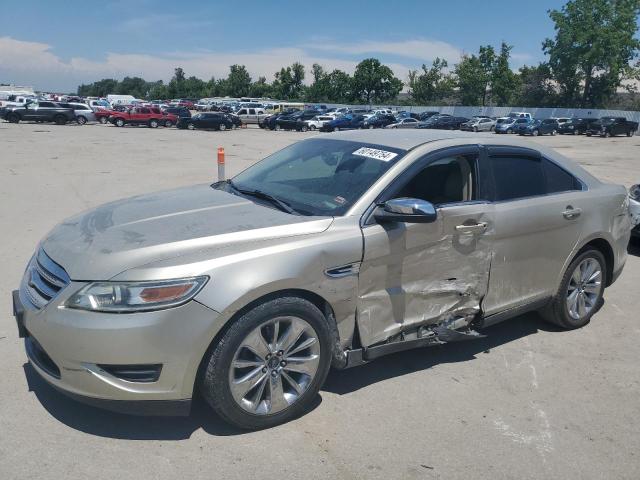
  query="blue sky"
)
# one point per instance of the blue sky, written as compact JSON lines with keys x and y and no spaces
{"x":56,"y":45}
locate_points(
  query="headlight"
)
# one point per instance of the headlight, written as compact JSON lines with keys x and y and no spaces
{"x":121,"y":297}
{"x":634,"y":192}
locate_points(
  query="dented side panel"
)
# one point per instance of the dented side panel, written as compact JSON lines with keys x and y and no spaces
{"x":414,"y":274}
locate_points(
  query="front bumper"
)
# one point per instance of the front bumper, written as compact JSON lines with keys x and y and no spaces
{"x":68,"y":348}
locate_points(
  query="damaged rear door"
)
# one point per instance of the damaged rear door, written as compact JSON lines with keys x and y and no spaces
{"x":416,"y":274}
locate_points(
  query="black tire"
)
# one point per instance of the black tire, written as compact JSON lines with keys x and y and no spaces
{"x":60,"y":119}
{"x":13,"y":118}
{"x":557,"y":312}
{"x":119,"y":122}
{"x":475,"y":129}
{"x":588,"y":134}
{"x":214,"y":382}
{"x":191,"y":126}
{"x":312,"y":127}
{"x":222,"y":127}
{"x":81,"y":120}
{"x":168,"y":124}
{"x":629,"y":133}
{"x":304,"y":128}
{"x":153,"y":123}
{"x":103,"y":120}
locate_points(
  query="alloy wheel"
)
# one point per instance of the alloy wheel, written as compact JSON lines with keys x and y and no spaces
{"x":584,"y":288}
{"x":274,"y":365}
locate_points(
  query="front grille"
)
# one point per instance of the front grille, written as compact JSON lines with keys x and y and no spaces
{"x":43,"y":280}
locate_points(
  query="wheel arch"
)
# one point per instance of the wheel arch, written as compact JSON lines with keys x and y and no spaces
{"x":604,"y":247}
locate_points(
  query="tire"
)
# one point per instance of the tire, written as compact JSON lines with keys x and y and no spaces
{"x":588,"y":134}
{"x":492,"y":128}
{"x":553,"y":133}
{"x":304,"y":128}
{"x":535,"y":133}
{"x":371,"y":127}
{"x":13,"y":118}
{"x":103,"y":120}
{"x":168,"y":124}
{"x":629,"y":133}
{"x":60,"y":119}
{"x":153,"y":123}
{"x":191,"y":126}
{"x":509,"y":130}
{"x":606,"y":134}
{"x":558,"y":311}
{"x":81,"y":120}
{"x":119,"y":122}
{"x":254,"y":409}
{"x":312,"y":128}
{"x":278,"y":128}
{"x":475,"y":129}
{"x":222,"y":127}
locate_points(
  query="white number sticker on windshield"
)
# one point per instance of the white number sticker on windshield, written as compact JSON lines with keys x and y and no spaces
{"x":375,"y":153}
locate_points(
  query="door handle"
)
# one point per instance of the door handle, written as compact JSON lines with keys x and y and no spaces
{"x":570,"y":213}
{"x":474,"y":228}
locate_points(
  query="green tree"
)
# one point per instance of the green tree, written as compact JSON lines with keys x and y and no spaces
{"x":504,"y":82}
{"x":593,"y":48}
{"x":375,"y":82}
{"x":471,"y":80}
{"x":238,"y":82}
{"x":432,"y":85}
{"x":487,"y":58}
{"x":535,"y":87}
{"x":260,"y":88}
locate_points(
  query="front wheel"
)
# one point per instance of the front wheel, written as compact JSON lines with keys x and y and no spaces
{"x":103,"y":120}
{"x":553,"y":133}
{"x":222,"y":127}
{"x":81,"y":120}
{"x":119,"y":122}
{"x":536,"y":133}
{"x":14,"y":118}
{"x":153,"y":123}
{"x":580,"y":294}
{"x":168,"y":124}
{"x":191,"y":126}
{"x":304,"y":128}
{"x":269,"y":365}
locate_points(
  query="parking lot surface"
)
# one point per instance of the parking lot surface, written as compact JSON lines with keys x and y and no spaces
{"x":527,"y":401}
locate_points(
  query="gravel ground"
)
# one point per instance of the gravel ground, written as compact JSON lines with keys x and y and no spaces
{"x":525,"y":402}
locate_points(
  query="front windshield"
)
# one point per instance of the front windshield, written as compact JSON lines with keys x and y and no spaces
{"x":606,"y":120}
{"x":322,"y":177}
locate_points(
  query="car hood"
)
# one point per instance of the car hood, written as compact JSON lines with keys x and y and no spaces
{"x":100,"y":243}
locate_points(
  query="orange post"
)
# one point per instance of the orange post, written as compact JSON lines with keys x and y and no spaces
{"x":221,"y":164}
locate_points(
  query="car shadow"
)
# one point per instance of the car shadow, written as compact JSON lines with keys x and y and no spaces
{"x":634,"y":247}
{"x":104,"y":423}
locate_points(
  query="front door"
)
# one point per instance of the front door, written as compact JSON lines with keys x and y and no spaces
{"x":415,"y":274}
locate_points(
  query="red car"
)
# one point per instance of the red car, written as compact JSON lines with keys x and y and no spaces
{"x":152,"y":117}
{"x":184,"y":103}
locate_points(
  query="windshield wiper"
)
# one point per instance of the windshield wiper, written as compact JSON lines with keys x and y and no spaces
{"x":281,"y":204}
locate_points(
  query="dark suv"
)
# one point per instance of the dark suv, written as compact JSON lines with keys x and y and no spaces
{"x":40,"y":112}
{"x":575,"y":126}
{"x":206,"y":120}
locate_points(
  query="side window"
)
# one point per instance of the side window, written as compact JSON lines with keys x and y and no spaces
{"x":252,"y":111}
{"x":242,"y":112}
{"x":446,"y":180}
{"x":517,"y":177}
{"x":46,"y":105}
{"x":558,"y":179}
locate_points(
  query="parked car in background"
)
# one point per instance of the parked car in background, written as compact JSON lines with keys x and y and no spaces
{"x":348,"y":121}
{"x":426,"y":115}
{"x":99,"y":104}
{"x":505,"y":125}
{"x":235,"y":120}
{"x":334,"y":251}
{"x":575,"y":126}
{"x":294,"y":121}
{"x":183,"y":103}
{"x":407,"y":122}
{"x":41,"y":111}
{"x":180,"y":112}
{"x":316,"y":122}
{"x":252,"y":115}
{"x":444,"y":122}
{"x":548,"y":126}
{"x":206,"y":120}
{"x":612,"y":126}
{"x":520,"y":115}
{"x":482,"y":124}
{"x":150,"y":116}
{"x":83,"y":112}
{"x":634,"y":210}
{"x":379,"y":120}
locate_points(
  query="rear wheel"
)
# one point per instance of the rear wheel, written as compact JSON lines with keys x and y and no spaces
{"x":580,"y":294}
{"x":13,"y":118}
{"x":153,"y":123}
{"x":222,"y":127}
{"x":304,"y":128}
{"x":191,"y":126}
{"x":629,"y":133}
{"x":103,"y":120}
{"x":553,"y":133}
{"x":168,"y":124}
{"x":269,"y":365}
{"x":535,"y":133}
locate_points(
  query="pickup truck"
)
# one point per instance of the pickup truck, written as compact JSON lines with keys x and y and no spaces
{"x":153,"y":117}
{"x":612,"y":126}
{"x":39,"y":112}
{"x":252,"y":115}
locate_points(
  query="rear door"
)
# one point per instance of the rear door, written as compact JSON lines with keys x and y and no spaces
{"x":538,"y":221}
{"x":414,"y":274}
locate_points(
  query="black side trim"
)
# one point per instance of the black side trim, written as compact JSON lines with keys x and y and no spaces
{"x":38,"y":356}
{"x":134,"y":373}
{"x":151,"y":408}
{"x":514,"y":312}
{"x":18,"y":313}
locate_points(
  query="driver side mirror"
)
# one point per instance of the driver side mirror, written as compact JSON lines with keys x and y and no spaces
{"x":409,"y":210}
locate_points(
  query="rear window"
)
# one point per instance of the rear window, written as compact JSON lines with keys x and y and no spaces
{"x":517,"y":177}
{"x":558,"y":179}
